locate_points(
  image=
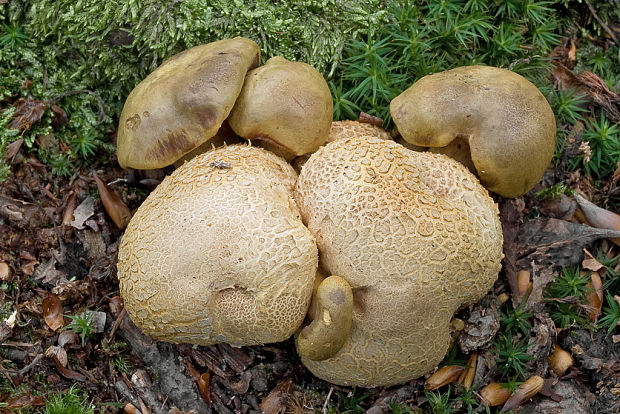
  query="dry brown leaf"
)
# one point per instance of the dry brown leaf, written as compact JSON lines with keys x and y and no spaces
{"x":66,"y":372}
{"x":560,"y":360}
{"x":60,"y":116}
{"x":58,"y":352}
{"x":116,"y":305}
{"x":527,"y":390}
{"x":24,"y":401}
{"x":590,"y":263}
{"x":275,"y":401}
{"x":131,"y":409}
{"x":28,"y":111}
{"x":12,"y":149}
{"x":590,"y":84}
{"x":67,"y":214}
{"x":553,"y":242}
{"x":599,"y":217}
{"x":594,"y":296}
{"x":443,"y":376}
{"x":5,"y":271}
{"x":572,"y":51}
{"x":83,"y":212}
{"x":52,"y":311}
{"x":204,"y":387}
{"x":524,"y":283}
{"x":114,"y":206}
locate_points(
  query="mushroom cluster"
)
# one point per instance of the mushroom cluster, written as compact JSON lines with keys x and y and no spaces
{"x":186,"y":104}
{"x":374,"y":245}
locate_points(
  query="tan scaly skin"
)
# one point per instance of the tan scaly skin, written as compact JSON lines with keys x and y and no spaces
{"x":218,"y":252}
{"x":416,"y":237}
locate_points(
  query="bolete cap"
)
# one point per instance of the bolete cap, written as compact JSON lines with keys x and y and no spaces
{"x":286,"y":105}
{"x":491,"y":119}
{"x":183,"y":102}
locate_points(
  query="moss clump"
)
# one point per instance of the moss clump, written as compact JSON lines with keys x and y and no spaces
{"x":87,"y":56}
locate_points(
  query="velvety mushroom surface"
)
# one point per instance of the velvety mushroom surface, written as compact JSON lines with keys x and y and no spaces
{"x":285,"y":106}
{"x":492,"y":120}
{"x":218,"y":252}
{"x":416,"y":237}
{"x":183,"y":102}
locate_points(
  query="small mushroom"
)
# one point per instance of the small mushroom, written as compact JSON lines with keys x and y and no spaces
{"x":332,"y":316}
{"x":286,"y":106}
{"x":218,"y":252}
{"x":416,"y":237}
{"x":183,"y":102}
{"x":492,"y":120}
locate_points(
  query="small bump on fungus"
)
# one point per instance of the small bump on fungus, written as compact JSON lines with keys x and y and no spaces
{"x":285,"y":106}
{"x":345,"y":129}
{"x":218,"y":252}
{"x":183,"y":102}
{"x":416,"y":237}
{"x":492,"y":120}
{"x":332,"y":313}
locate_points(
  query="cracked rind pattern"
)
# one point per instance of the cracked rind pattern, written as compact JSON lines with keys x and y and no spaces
{"x":350,"y":129}
{"x":416,"y":236}
{"x":218,"y":252}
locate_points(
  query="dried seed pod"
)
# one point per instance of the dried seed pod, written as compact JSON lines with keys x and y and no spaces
{"x":594,"y":296}
{"x":524,"y":282}
{"x":560,"y":360}
{"x":114,"y":206}
{"x":495,"y":394}
{"x":503,"y":297}
{"x":5,"y":270}
{"x":443,"y":376}
{"x":467,"y":376}
{"x":527,"y":390}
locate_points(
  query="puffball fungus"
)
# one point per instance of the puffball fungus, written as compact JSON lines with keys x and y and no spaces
{"x":286,"y":106}
{"x":415,"y":236}
{"x":183,"y":102}
{"x":218,"y":252}
{"x":493,"y":120}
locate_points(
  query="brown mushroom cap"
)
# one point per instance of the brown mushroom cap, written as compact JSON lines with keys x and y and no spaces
{"x":183,"y":102}
{"x":494,"y":116}
{"x":218,"y":252}
{"x":416,"y":237}
{"x":287,"y":105}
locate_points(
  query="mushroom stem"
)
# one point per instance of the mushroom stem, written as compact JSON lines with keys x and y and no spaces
{"x":331,"y":324}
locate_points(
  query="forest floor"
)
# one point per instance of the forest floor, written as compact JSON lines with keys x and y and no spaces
{"x":63,"y":329}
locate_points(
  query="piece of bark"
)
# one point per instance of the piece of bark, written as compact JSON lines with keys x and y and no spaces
{"x":481,"y":326}
{"x":553,"y":242}
{"x":511,"y":216}
{"x":163,"y":358}
{"x":275,"y":401}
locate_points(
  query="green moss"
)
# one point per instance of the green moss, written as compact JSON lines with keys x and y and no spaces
{"x":73,"y":401}
{"x":87,"y":55}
